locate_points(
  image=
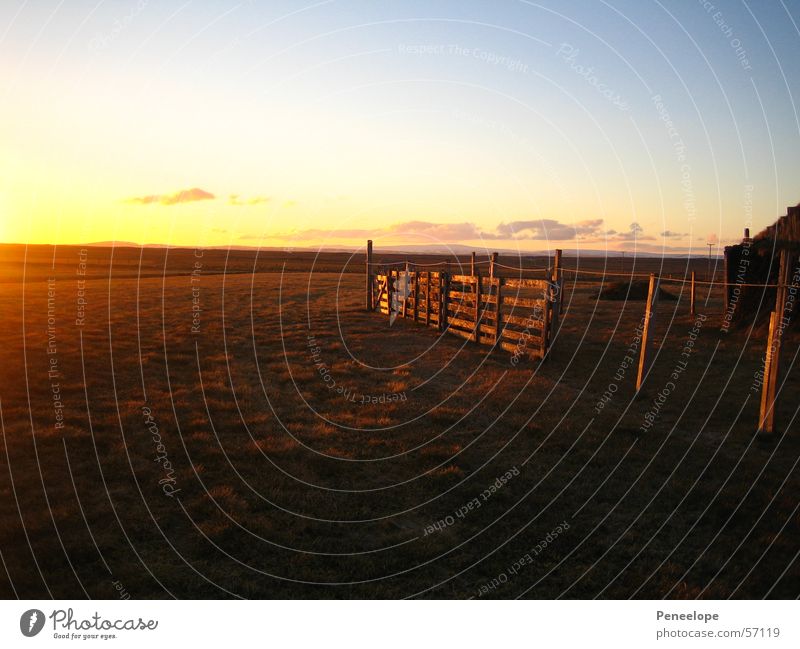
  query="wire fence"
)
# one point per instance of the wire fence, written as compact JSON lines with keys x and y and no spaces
{"x":589,"y":273}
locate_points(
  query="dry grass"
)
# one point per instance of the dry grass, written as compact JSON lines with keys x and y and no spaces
{"x":290,"y":488}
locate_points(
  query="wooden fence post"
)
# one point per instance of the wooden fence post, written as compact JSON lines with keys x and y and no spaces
{"x":370,"y":303}
{"x":427,"y":298}
{"x":652,"y":296}
{"x":556,"y":263}
{"x":416,"y":295}
{"x":472,"y":264}
{"x":477,"y":296}
{"x":726,"y":269}
{"x":557,"y":277}
{"x":444,"y":298}
{"x":772,"y":361}
{"x":554,"y":295}
{"x":766,"y":415}
{"x":495,"y":282}
{"x":692,"y":298}
{"x":405,"y":291}
{"x":389,"y":293}
{"x":498,"y":329}
{"x":546,"y":313}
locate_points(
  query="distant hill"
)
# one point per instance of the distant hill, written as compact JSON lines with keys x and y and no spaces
{"x":455,"y":249}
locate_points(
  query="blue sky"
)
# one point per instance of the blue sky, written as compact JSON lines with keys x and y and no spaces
{"x":516,"y":123}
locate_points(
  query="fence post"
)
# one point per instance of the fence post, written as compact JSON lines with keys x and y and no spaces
{"x":389,"y":290}
{"x":555,"y":279}
{"x":370,"y":297}
{"x":766,"y":415}
{"x":444,"y":298}
{"x":477,"y":296}
{"x":652,"y":296}
{"x":405,"y":291}
{"x":495,"y":281}
{"x":427,"y":298}
{"x":556,"y":264}
{"x":692,"y":298}
{"x":498,"y":330}
{"x":472,"y":264}
{"x":416,"y":295}
{"x":769,"y":388}
{"x":726,"y":268}
{"x":546,"y":313}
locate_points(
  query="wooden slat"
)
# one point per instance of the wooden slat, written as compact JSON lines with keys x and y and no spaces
{"x":532,"y":338}
{"x":462,"y":295}
{"x":518,"y":320}
{"x":525,"y":283}
{"x":464,"y":279}
{"x":523,"y":301}
{"x":469,"y":327}
{"x":461,"y":322}
{"x":533,"y":331}
{"x":468,"y":335}
{"x":510,"y":347}
{"x":459,"y":306}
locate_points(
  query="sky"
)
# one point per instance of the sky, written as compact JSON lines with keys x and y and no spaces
{"x":503,"y":124}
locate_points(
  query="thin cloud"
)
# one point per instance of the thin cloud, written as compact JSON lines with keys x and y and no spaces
{"x":182,"y":196}
{"x":528,"y":230}
{"x":634,"y":233}
{"x":236,"y":199}
{"x":548,"y":229}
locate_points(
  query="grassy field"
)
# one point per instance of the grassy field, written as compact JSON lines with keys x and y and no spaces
{"x":249,"y":431}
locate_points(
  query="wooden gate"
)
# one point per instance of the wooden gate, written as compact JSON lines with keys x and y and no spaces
{"x":517,"y":315}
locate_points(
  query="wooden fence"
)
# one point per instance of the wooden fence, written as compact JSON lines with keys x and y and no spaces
{"x":517,"y":315}
{"x":780,"y":317}
{"x":521,"y":315}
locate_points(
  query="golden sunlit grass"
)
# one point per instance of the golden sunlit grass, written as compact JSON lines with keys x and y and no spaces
{"x":291,"y":485}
